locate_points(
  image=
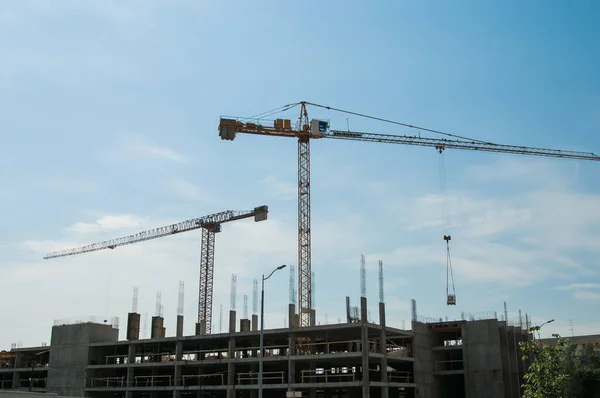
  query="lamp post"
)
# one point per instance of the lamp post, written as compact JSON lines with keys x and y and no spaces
{"x":33,"y":365}
{"x":539,"y":327}
{"x":262,"y":327}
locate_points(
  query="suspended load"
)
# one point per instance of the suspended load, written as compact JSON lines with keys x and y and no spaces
{"x":450,"y":294}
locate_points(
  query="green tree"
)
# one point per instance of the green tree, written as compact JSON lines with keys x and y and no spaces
{"x":546,"y":376}
{"x":560,"y":370}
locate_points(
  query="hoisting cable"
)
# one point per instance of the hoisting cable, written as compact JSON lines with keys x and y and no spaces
{"x":450,"y":294}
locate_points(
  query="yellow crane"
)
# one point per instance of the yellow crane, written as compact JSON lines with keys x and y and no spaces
{"x":305,"y":130}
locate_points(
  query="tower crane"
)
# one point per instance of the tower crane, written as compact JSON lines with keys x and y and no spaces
{"x":210,"y":225}
{"x":305,"y":130}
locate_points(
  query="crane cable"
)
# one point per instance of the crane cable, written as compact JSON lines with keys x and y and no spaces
{"x":397,"y":123}
{"x":271,"y":112}
{"x":446,"y":221}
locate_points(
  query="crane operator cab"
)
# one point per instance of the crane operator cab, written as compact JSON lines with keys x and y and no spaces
{"x":451,"y":299}
{"x":319,"y":127}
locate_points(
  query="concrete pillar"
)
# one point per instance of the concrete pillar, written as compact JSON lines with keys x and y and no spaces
{"x":483,"y":359}
{"x":178,"y":357}
{"x":520,"y":338}
{"x":231,"y":363}
{"x":133,"y":326}
{"x":179,"y":332}
{"x":364,"y":339}
{"x":348,"y":309}
{"x":383,"y":350}
{"x":231,"y":321}
{"x":254,"y":369}
{"x":157,"y":329}
{"x":516,"y":331}
{"x":505,"y":357}
{"x":179,"y":351}
{"x":16,"y":378}
{"x":422,"y":344}
{"x":363,"y":310}
{"x":244,"y":325}
{"x":292,"y":316}
{"x":291,"y":362}
{"x":16,"y":374}
{"x":382,"y":314}
{"x":255,"y":328}
{"x":313,"y":318}
{"x":130,"y":370}
{"x":512,"y":358}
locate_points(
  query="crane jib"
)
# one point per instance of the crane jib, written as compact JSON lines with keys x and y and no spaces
{"x":458,"y":144}
{"x":259,"y":213}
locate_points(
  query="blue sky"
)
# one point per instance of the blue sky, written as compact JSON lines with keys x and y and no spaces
{"x":109,"y":126}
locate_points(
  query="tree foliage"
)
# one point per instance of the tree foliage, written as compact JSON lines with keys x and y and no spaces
{"x":560,"y":370}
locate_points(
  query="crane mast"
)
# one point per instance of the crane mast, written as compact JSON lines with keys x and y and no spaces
{"x":210,"y":225}
{"x":304,"y":239}
{"x":205,"y":287}
{"x":306,"y":130}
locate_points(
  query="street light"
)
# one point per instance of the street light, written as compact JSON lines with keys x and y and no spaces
{"x":537,"y":328}
{"x":262,"y":327}
{"x":33,"y":365}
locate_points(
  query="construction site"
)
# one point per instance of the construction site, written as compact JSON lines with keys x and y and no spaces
{"x":474,"y":356}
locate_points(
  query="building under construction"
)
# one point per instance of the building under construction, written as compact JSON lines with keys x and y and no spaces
{"x":358,"y":358}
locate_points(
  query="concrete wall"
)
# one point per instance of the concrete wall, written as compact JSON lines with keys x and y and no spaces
{"x":69,"y":355}
{"x":483,"y":359}
{"x":423,"y":367}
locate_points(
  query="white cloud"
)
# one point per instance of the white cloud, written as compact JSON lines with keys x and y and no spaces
{"x":105,"y":223}
{"x":577,"y":286}
{"x":588,"y":292}
{"x":155,"y":151}
{"x":532,"y":171}
{"x":512,"y":240}
{"x":130,"y":145}
{"x":473,"y":263}
{"x":587,"y":295}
